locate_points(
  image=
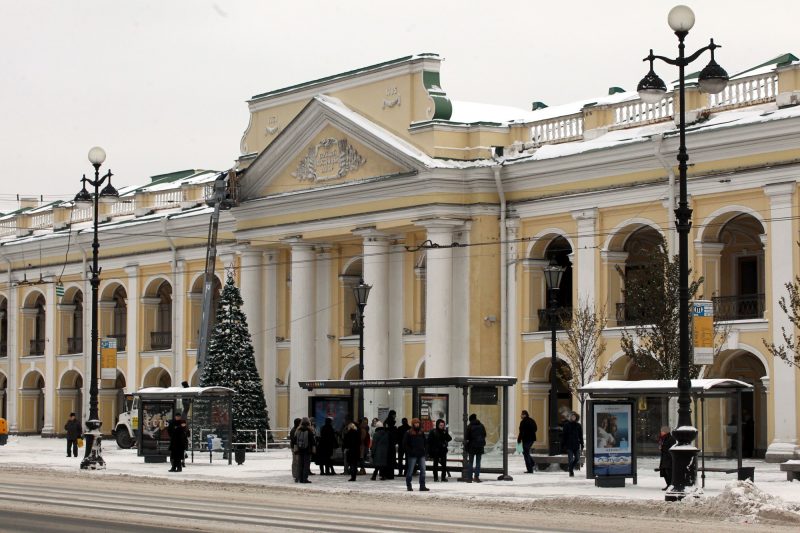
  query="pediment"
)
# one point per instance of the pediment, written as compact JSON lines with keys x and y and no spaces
{"x":327,"y":144}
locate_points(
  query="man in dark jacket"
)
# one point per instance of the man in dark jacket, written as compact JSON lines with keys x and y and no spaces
{"x":380,"y":450}
{"x":295,"y":457}
{"x":327,"y":443}
{"x":475,"y":442}
{"x":178,"y":441}
{"x":572,"y":436}
{"x":390,"y":425}
{"x":73,"y":429}
{"x":526,"y":437}
{"x":438,"y":438}
{"x":401,"y":433}
{"x":414,"y":446}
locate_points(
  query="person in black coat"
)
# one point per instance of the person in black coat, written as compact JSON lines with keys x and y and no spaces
{"x":572,"y":437}
{"x":327,"y":443}
{"x":73,"y":429}
{"x":665,"y":442}
{"x":526,"y":437}
{"x":351,"y":442}
{"x":380,"y":450}
{"x":178,"y":441}
{"x":475,"y":442}
{"x":438,"y":439}
{"x":401,"y":433}
{"x":415,"y":448}
{"x":391,"y":429}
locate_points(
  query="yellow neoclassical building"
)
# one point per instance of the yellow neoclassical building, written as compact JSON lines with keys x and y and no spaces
{"x":450,"y":210}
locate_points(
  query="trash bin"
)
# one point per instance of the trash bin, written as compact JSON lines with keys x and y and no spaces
{"x":239,"y":454}
{"x":3,"y":431}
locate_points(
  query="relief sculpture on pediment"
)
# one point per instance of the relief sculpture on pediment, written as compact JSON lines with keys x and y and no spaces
{"x":329,"y":159}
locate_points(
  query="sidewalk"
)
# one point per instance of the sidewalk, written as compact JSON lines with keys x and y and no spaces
{"x":273,"y":469}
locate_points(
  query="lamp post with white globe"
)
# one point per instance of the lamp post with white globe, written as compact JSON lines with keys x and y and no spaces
{"x":712,"y":79}
{"x":93,"y":458}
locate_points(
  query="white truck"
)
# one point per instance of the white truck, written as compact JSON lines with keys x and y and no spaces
{"x":128,"y":423}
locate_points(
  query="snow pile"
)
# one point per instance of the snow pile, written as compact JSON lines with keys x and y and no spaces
{"x":742,"y":501}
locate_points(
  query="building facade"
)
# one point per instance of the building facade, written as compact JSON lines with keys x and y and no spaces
{"x":450,"y":210}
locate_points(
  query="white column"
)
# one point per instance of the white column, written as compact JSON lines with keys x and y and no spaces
{"x":269,"y":330}
{"x":131,"y":329}
{"x":781,"y":250}
{"x":512,"y":322}
{"x":586,"y":263}
{"x":178,"y":321}
{"x":303,"y":327}
{"x":13,"y":386}
{"x":376,"y":317}
{"x":252,"y":289}
{"x":396,"y":350}
{"x":460,"y":350}
{"x":50,"y":384}
{"x":439,"y":298}
{"x":323,"y":289}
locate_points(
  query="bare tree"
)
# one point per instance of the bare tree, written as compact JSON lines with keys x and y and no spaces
{"x":583,"y":347}
{"x":652,"y":308}
{"x":787,"y":351}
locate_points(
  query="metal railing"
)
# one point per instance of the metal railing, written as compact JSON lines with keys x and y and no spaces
{"x":629,"y":315}
{"x":742,"y":307}
{"x":546,"y":318}
{"x":4,"y":349}
{"x":37,"y":347}
{"x":160,"y":340}
{"x":74,"y":345}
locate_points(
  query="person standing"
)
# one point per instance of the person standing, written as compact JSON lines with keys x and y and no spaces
{"x":73,"y":429}
{"x":365,"y":442}
{"x":401,"y":433}
{"x":572,"y":436}
{"x":327,"y":443}
{"x":304,"y":448}
{"x":526,"y":437}
{"x":438,"y":439}
{"x":380,"y":450}
{"x":475,"y":443}
{"x":351,"y":442}
{"x":178,"y":441}
{"x":414,"y":446}
{"x":292,"y":443}
{"x":390,"y":425}
{"x":665,"y":442}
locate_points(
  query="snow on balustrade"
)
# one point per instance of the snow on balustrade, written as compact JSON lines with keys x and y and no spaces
{"x":558,"y":129}
{"x":167,"y":199}
{"x":8,"y":227}
{"x":42,"y":220}
{"x":81,"y":214}
{"x":637,"y":112}
{"x":122,"y":207}
{"x":746,"y":91}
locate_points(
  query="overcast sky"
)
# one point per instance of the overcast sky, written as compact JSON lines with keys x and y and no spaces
{"x":162,"y":85}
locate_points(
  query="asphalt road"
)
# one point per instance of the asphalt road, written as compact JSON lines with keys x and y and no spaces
{"x":44,"y":501}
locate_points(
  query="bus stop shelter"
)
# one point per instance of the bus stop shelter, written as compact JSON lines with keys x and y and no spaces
{"x":466,"y":384}
{"x":700,"y":390}
{"x":207,"y":411}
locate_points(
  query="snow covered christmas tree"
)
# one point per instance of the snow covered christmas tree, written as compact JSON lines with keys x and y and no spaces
{"x":231,"y":363}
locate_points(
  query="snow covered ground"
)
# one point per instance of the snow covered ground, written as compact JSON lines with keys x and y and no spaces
{"x":772,"y":496}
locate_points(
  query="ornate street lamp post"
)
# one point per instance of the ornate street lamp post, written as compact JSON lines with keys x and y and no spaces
{"x":93,"y":459}
{"x":552,"y":275}
{"x":652,"y":89}
{"x":361,"y":293}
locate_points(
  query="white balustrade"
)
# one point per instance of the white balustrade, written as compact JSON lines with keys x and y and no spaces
{"x":122,"y":207}
{"x":167,"y":199}
{"x":637,"y":112}
{"x":42,"y":220}
{"x":81,"y":214}
{"x":746,"y":91}
{"x":558,"y":129}
{"x":8,"y":227}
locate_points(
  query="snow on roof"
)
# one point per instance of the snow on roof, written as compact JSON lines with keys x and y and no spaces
{"x":660,"y":385}
{"x":396,"y":142}
{"x":183,"y":391}
{"x":471,"y":112}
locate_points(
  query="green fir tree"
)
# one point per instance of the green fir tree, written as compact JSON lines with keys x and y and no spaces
{"x":230,"y":362}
